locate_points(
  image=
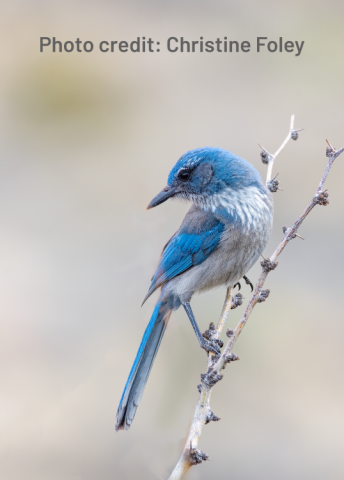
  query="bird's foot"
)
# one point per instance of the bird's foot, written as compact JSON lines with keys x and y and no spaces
{"x":211,"y":346}
{"x":238,"y":285}
{"x":248,"y":282}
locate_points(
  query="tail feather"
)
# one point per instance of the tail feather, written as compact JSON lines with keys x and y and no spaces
{"x":142,"y":365}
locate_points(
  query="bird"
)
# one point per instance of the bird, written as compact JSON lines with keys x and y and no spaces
{"x":222,"y":235}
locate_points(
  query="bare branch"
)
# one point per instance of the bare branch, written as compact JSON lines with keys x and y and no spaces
{"x":269,"y":158}
{"x":320,"y":198}
{"x":203,"y":414}
{"x":202,"y":411}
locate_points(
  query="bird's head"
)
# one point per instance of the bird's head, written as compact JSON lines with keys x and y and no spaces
{"x":201,"y":174}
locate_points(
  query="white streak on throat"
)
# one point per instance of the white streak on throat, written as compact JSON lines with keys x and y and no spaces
{"x":249,"y":204}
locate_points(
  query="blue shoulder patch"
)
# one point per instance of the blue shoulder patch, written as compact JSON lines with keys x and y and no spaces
{"x":185,"y":250}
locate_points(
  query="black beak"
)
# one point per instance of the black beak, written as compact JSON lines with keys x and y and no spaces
{"x":164,"y":195}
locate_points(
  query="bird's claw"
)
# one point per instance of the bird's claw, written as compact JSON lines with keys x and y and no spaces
{"x":237,"y":284}
{"x":248,"y":282}
{"x":211,"y":346}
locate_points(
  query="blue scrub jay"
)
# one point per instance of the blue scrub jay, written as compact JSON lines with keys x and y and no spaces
{"x":220,"y":238}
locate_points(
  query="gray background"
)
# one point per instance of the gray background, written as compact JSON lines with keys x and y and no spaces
{"x":86,"y":141}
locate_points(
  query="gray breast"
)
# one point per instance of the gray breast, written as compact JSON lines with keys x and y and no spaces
{"x":241,"y":244}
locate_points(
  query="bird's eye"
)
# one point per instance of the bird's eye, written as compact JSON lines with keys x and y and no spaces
{"x":184,"y":176}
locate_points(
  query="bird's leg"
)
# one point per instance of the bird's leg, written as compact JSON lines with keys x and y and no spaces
{"x":207,"y":345}
{"x":248,"y":282}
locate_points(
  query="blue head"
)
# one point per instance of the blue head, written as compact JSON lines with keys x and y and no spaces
{"x":205,"y":172}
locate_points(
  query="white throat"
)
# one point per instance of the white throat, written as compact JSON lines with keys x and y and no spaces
{"x":248,"y":204}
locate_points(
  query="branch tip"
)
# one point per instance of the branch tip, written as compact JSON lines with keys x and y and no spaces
{"x":331,"y":147}
{"x":211,"y":417}
{"x":236,"y":300}
{"x":273,"y":186}
{"x":197,"y":456}
{"x":321,"y":198}
{"x":231,"y":357}
{"x":265,"y":155}
{"x":287,"y":230}
{"x":229,"y":333}
{"x":210,"y":378}
{"x":299,"y":236}
{"x":263,"y":295}
{"x":294,"y":135}
{"x":268,"y":265}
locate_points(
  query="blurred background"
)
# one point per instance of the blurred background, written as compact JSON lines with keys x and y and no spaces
{"x":87,"y":140}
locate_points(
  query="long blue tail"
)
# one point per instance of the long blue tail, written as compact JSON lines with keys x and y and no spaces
{"x":142,"y":365}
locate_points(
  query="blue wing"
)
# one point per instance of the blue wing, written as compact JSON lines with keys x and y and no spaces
{"x":197,"y":237}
